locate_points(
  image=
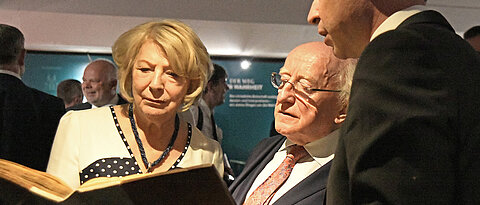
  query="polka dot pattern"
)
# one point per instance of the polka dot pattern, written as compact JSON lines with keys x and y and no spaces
{"x":185,"y":149}
{"x":111,"y":167}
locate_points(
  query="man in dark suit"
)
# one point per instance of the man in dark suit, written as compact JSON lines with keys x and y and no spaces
{"x":99,"y":85}
{"x":413,"y":130}
{"x":313,"y":89}
{"x":28,"y":117}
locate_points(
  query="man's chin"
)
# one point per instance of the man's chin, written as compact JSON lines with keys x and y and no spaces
{"x":284,"y":128}
{"x":282,"y":131}
{"x":328,"y":41}
{"x":339,"y":53}
{"x":93,"y":102}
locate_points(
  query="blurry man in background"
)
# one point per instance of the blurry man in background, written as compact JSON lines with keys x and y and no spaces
{"x":99,"y":85}
{"x":28,"y":117}
{"x":214,"y":95}
{"x":70,"y":91}
{"x":201,"y":114}
{"x":472,"y":36}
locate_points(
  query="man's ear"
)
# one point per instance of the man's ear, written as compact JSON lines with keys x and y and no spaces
{"x":209,"y":87}
{"x":342,"y":115}
{"x":78,"y":99}
{"x":114,"y":84}
{"x":340,"y":118}
{"x":21,"y":57}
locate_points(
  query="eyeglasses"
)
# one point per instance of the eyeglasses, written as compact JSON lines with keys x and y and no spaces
{"x":277,"y":82}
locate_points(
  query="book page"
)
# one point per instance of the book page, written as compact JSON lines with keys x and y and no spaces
{"x":33,"y":180}
{"x":190,"y":185}
{"x":102,"y":182}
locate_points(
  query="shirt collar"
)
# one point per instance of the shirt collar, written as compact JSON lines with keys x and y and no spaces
{"x":11,"y":73}
{"x":393,"y":21}
{"x":318,"y":149}
{"x":205,"y":108}
{"x":113,"y":101}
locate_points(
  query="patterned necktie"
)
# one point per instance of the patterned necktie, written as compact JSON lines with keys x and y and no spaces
{"x":264,"y":193}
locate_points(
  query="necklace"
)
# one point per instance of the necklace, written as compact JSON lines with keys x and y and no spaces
{"x":147,"y":164}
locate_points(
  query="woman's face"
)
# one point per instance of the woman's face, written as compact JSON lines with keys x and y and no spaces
{"x":157,"y":90}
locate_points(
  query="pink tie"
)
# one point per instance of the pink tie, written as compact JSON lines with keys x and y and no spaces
{"x":264,"y":193}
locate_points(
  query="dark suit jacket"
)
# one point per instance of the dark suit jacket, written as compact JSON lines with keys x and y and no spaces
{"x":309,"y":191}
{"x":412,"y":135}
{"x":87,"y":105}
{"x":28,"y":122}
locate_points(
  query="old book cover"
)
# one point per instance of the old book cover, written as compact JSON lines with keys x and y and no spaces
{"x":194,"y":185}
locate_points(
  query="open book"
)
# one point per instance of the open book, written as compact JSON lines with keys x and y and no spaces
{"x":194,"y":185}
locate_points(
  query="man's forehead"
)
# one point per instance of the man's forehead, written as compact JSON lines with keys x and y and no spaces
{"x":304,"y":64}
{"x":96,"y":71}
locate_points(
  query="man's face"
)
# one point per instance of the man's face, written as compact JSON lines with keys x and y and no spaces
{"x":346,"y":24}
{"x":219,"y":90}
{"x":305,"y":117}
{"x":475,"y":42}
{"x":97,"y":87}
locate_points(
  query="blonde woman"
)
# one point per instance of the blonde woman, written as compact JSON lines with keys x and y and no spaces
{"x":163,"y":69}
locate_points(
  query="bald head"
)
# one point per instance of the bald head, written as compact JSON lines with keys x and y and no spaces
{"x":107,"y":68}
{"x":336,"y":72}
{"x":99,"y":82}
{"x":313,"y":51}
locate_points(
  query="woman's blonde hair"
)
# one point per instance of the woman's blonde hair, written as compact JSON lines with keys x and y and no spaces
{"x":186,"y":54}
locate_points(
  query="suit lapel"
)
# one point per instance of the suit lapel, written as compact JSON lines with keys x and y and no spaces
{"x":313,"y":184}
{"x":259,"y":158}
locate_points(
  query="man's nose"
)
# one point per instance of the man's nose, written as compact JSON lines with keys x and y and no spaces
{"x":286,"y":93}
{"x":313,"y":17}
{"x":86,"y":84}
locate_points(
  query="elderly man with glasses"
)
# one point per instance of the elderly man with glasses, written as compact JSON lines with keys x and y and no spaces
{"x":313,"y":89}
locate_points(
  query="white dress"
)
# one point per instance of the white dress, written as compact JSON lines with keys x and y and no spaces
{"x":89,"y":144}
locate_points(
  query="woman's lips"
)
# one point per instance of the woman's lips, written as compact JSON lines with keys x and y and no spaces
{"x":155,"y":101}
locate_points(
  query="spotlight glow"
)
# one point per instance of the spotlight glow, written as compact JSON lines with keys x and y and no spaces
{"x":245,"y":64}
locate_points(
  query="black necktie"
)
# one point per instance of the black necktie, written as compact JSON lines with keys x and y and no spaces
{"x":214,"y":128}
{"x":200,"y":119}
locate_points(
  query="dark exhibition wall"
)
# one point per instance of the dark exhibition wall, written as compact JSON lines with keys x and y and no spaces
{"x":245,"y":117}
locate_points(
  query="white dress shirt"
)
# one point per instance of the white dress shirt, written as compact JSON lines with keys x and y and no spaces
{"x":320,"y":152}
